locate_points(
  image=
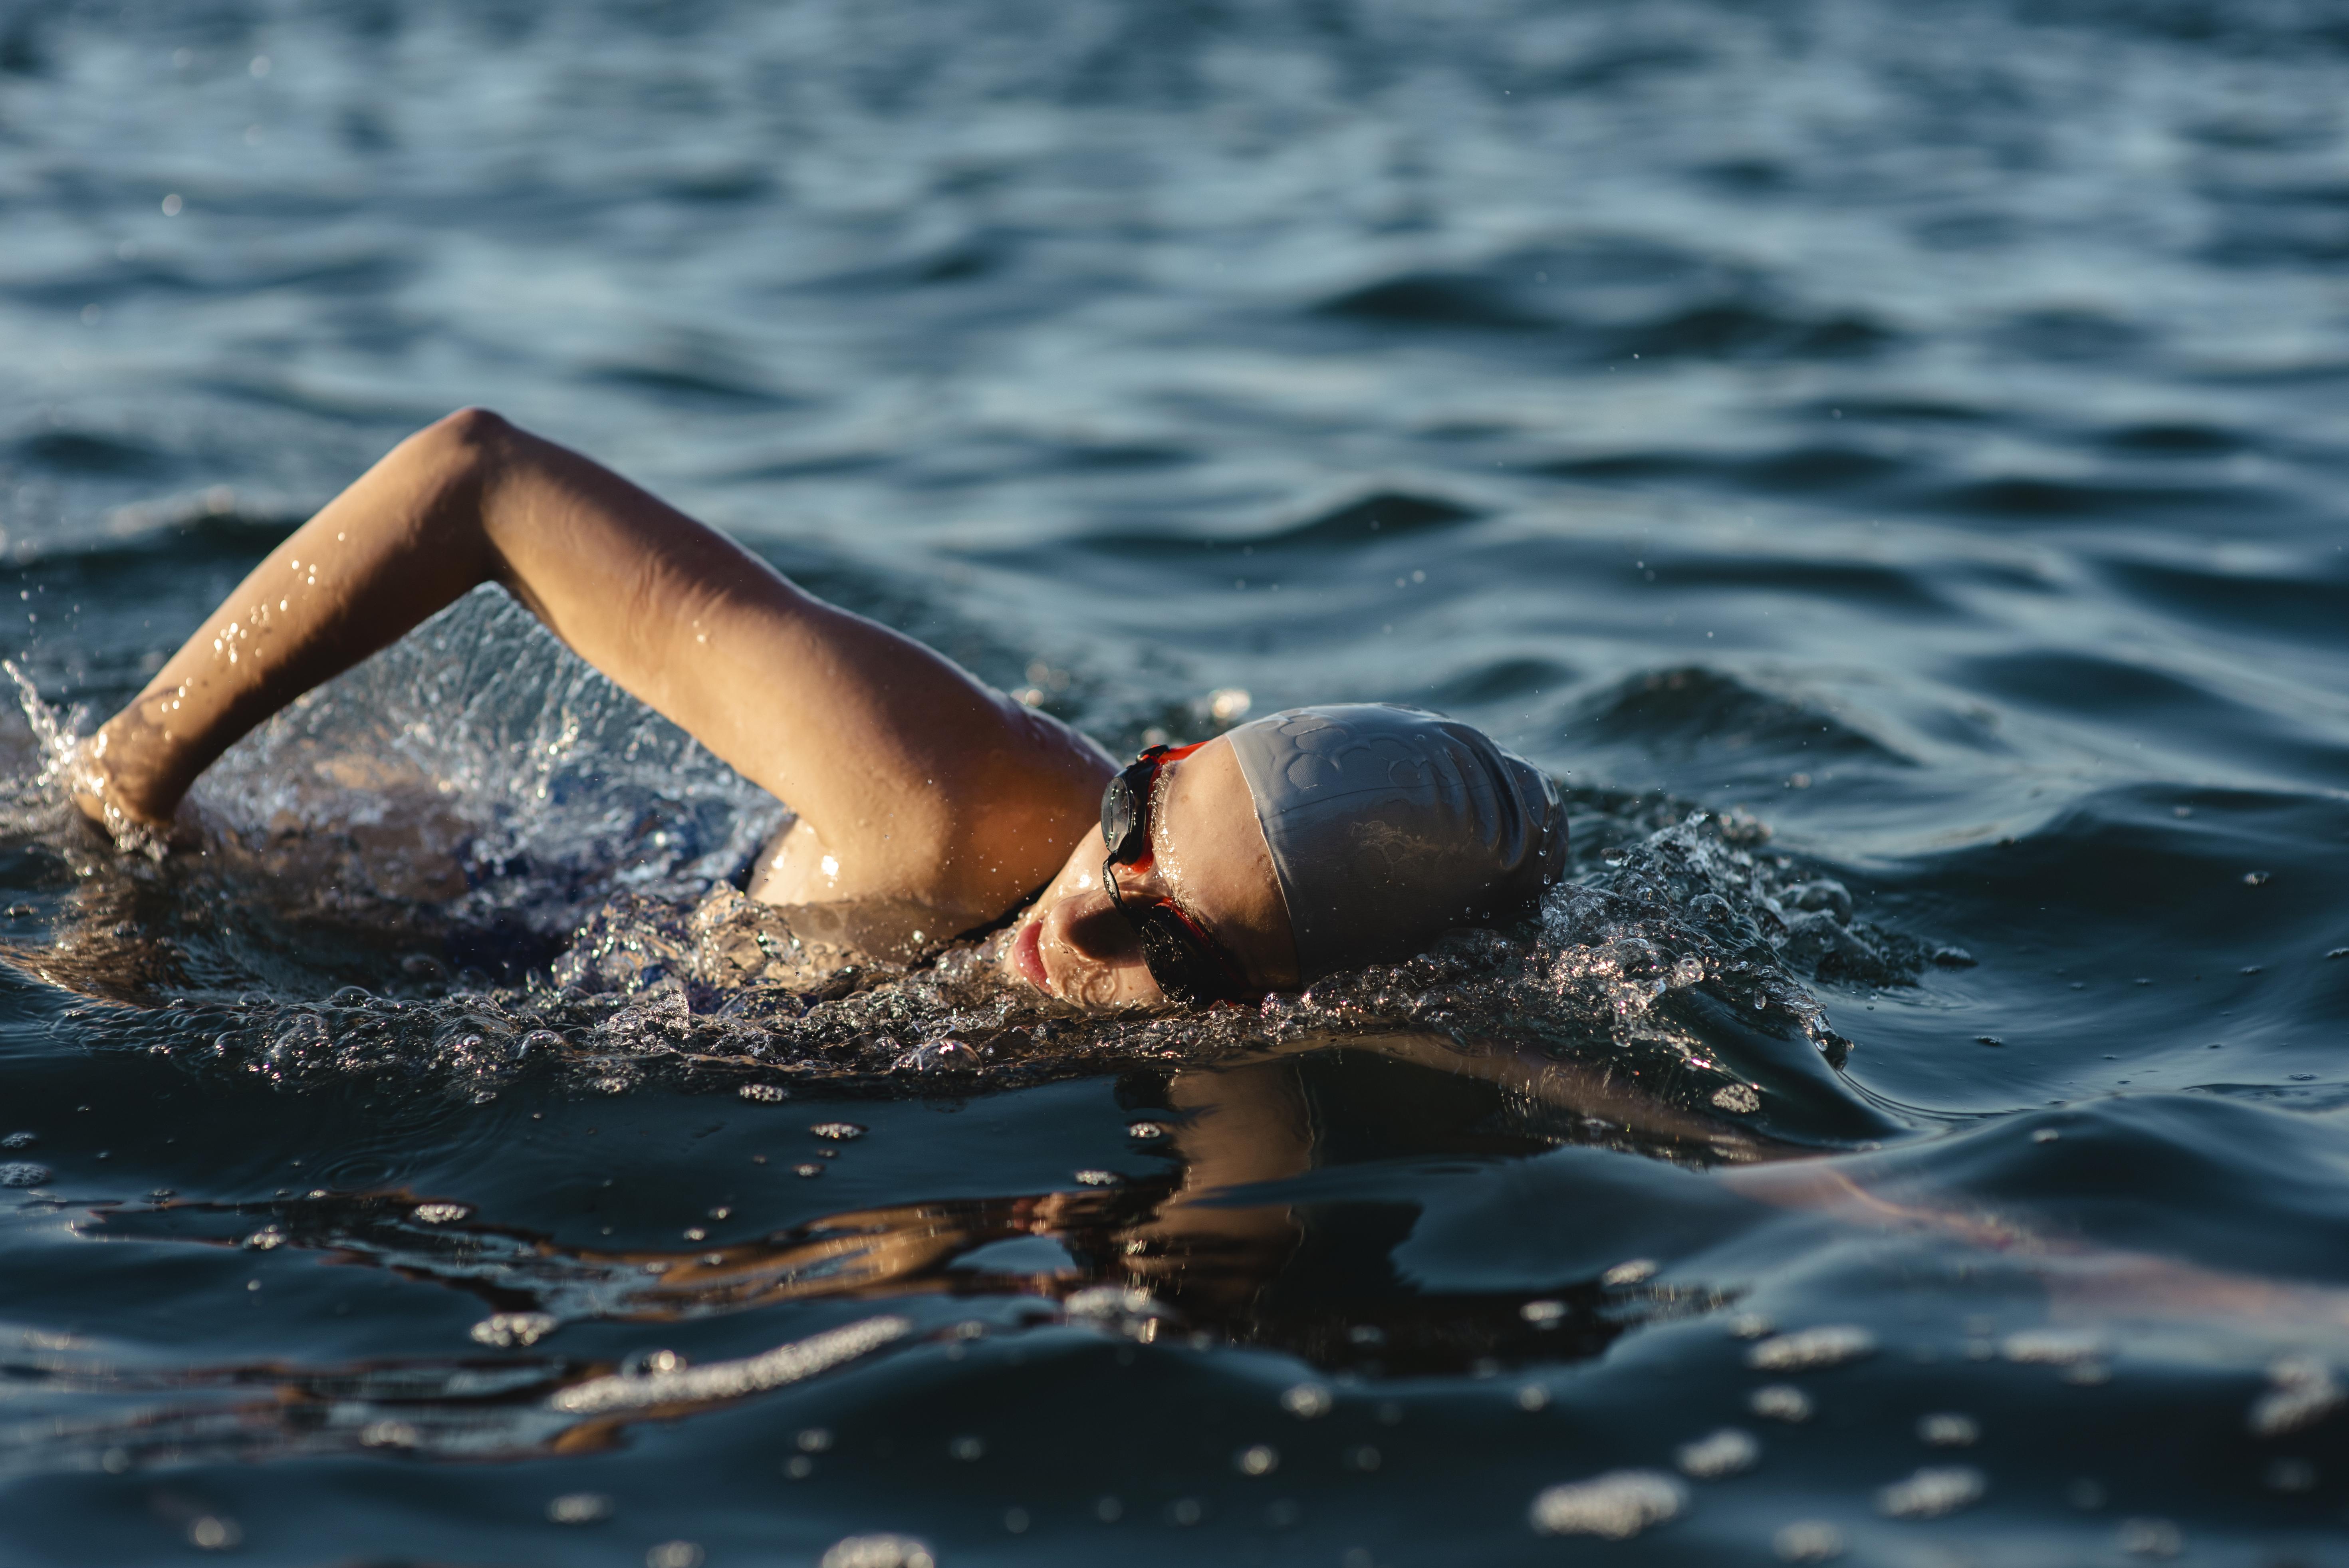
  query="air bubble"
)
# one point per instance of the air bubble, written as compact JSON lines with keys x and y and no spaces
{"x":1948,"y":1430}
{"x":1780,"y":1402}
{"x":1726,"y":1452}
{"x":506,"y":1330}
{"x":2303,"y":1391}
{"x":1615,"y":1506}
{"x":1807,"y":1541}
{"x":839,"y":1132}
{"x":1932,"y":1492}
{"x":23,"y":1173}
{"x":438,"y":1213}
{"x":579,"y":1508}
{"x":939,"y":1056}
{"x":209,"y":1532}
{"x":1307,"y":1401}
{"x":1256,"y":1460}
{"x":765,"y":1094}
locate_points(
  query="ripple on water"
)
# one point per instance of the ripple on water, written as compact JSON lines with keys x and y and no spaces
{"x":1212,"y":349}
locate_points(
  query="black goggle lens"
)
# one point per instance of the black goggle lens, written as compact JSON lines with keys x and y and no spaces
{"x":1185,"y":973}
{"x":1125,"y":819}
{"x":1184,"y":961}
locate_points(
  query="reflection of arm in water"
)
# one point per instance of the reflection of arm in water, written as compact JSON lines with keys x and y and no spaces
{"x":911,"y":779}
{"x":1212,"y":1247}
{"x":2085,"y":1282}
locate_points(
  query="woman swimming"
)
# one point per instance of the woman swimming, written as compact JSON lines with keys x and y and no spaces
{"x":1293,"y":846}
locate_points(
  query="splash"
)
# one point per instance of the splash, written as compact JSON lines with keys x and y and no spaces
{"x":1664,"y":992}
{"x":72,"y":767}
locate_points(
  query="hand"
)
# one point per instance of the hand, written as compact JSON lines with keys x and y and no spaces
{"x":91,"y":784}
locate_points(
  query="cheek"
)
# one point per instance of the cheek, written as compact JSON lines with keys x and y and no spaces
{"x":1080,"y":872}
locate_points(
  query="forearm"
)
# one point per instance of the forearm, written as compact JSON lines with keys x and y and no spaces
{"x":402,"y":542}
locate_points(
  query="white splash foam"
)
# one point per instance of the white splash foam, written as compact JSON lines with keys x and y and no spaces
{"x":732,"y":1379}
{"x":1616,"y":1505}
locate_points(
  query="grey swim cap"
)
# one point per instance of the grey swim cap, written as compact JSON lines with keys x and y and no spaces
{"x":1391,"y":825}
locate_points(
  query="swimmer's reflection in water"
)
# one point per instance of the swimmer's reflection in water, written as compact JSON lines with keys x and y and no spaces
{"x":1225,"y":1243}
{"x":929,"y":803}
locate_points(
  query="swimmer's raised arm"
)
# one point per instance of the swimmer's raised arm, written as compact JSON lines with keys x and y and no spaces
{"x":915,"y":781}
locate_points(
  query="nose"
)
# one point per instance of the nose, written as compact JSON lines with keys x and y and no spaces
{"x":1096,"y":930}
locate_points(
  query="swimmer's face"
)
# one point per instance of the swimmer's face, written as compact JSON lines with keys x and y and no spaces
{"x":1208,"y":855}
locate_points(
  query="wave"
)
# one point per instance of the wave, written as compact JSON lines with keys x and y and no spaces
{"x":1694,"y":710}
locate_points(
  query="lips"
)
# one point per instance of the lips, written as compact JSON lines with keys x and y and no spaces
{"x":1028,"y":956}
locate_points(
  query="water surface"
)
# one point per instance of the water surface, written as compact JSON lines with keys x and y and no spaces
{"x":1884,"y":460}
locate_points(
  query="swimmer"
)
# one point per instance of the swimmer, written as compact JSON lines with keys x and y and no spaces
{"x":1292,"y":847}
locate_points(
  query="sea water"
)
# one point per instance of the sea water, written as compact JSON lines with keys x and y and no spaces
{"x":1884,"y":460}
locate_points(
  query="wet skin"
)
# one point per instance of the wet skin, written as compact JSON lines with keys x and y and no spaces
{"x":919,"y":790}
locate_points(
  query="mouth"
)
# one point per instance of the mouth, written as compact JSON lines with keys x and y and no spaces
{"x":1028,"y":956}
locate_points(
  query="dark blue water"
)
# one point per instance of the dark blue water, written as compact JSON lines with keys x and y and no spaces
{"x":1885,"y":459}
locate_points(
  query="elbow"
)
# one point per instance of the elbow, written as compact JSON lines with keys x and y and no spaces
{"x":451,"y":471}
{"x":460,"y":449}
{"x":472,"y":429}
{"x":466,"y":452}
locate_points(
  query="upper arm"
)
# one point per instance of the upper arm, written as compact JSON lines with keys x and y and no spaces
{"x":922,"y":781}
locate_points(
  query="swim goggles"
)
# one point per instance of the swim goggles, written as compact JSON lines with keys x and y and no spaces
{"x":1189,"y":965}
